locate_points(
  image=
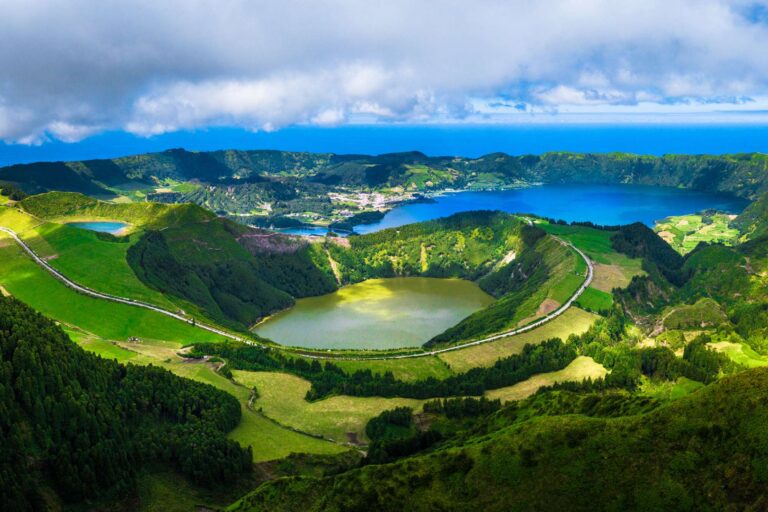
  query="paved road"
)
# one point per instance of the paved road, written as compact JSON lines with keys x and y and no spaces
{"x":99,"y":295}
{"x":123,"y":300}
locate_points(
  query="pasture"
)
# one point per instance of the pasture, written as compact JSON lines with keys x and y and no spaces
{"x":579,"y":369}
{"x":341,"y":418}
{"x":573,"y":321}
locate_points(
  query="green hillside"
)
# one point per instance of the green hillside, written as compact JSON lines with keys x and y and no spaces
{"x":239,"y":275}
{"x":282,"y":188}
{"x":79,"y":428}
{"x":63,"y":206}
{"x":665,"y":418}
{"x":706,"y":451}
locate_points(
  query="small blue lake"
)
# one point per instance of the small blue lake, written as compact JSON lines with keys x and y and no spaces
{"x":113,"y":228}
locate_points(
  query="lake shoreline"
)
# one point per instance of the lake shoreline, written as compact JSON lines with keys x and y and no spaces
{"x":540,"y":203}
{"x":422,"y":307}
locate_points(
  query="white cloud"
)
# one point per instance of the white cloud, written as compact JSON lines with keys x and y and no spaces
{"x":71,"y":69}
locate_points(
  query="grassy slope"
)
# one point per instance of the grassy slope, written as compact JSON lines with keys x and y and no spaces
{"x":563,"y":272}
{"x":573,"y":321}
{"x":612,"y":269}
{"x":70,"y":206}
{"x":741,"y":353}
{"x":281,"y":397}
{"x":705,"y":451}
{"x":579,"y":369}
{"x":88,"y":260}
{"x":668,"y":390}
{"x":268,"y":440}
{"x":36,"y":287}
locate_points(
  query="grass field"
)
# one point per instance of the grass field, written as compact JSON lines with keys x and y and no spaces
{"x":573,"y":321}
{"x":98,"y":264}
{"x":595,"y":300}
{"x":89,"y":260}
{"x":580,"y":368}
{"x":341,"y":418}
{"x":403,"y":369}
{"x":671,"y":390}
{"x":28,"y":282}
{"x":16,"y":220}
{"x":685,"y":232}
{"x":741,"y":354}
{"x":268,"y":440}
{"x":612,"y":269}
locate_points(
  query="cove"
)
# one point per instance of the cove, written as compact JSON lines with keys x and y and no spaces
{"x":600,"y":204}
{"x":376,"y":314}
{"x":113,"y":228}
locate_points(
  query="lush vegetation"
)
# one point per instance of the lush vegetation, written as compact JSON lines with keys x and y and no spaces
{"x":253,"y":273}
{"x":394,"y":434}
{"x":674,"y":323}
{"x":216,"y":266}
{"x":25,"y":280}
{"x":66,"y":205}
{"x":639,"y":461}
{"x":290,"y":188}
{"x":89,"y":424}
{"x":328,"y":379}
{"x":685,"y":232}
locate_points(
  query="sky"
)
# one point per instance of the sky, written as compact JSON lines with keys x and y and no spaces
{"x":87,"y":77}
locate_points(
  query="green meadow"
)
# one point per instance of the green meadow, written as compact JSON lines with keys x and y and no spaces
{"x":341,"y":418}
{"x":25,"y":280}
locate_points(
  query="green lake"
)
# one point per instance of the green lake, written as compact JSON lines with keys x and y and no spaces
{"x":376,"y":314}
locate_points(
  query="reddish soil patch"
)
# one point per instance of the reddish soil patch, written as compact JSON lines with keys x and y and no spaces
{"x":340,"y":241}
{"x":547,"y":306}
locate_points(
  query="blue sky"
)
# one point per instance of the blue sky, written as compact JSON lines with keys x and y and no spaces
{"x":92,"y":77}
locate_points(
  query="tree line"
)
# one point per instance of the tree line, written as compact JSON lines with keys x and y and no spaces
{"x":329,"y":379}
{"x":85,"y":425}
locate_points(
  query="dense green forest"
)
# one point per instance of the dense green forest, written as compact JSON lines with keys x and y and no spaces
{"x":78,"y":428}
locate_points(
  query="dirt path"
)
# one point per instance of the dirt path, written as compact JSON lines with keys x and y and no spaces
{"x":334,"y":267}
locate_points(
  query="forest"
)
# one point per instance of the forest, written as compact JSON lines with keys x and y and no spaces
{"x":84,"y":426}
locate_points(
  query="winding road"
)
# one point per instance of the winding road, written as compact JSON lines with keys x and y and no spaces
{"x":131,"y":302}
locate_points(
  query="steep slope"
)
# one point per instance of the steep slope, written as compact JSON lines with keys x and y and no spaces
{"x":704,"y":452}
{"x":64,"y":205}
{"x":753,"y":221}
{"x":239,"y":274}
{"x":76,"y":427}
{"x":206,"y":264}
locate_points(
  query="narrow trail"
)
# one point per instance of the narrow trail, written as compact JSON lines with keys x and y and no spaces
{"x":131,"y":302}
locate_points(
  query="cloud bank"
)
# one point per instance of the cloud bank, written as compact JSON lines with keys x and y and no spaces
{"x":69,"y":69}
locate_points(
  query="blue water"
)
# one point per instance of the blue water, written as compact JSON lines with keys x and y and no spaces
{"x":464,"y":140}
{"x":601,"y":204}
{"x":113,"y":228}
{"x":304,"y":231}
